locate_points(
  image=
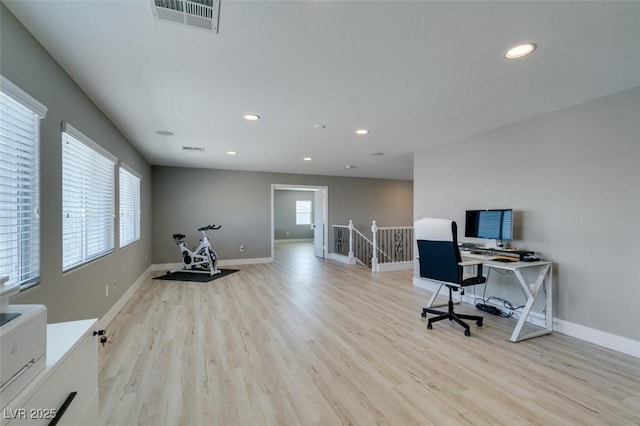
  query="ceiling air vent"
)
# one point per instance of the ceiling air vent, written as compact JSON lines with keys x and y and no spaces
{"x":196,"y":13}
{"x":193,"y":148}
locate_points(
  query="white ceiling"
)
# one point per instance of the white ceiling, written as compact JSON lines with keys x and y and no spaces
{"x":415,"y":73}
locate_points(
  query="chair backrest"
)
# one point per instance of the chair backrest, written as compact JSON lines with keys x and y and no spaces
{"x":438,"y":249}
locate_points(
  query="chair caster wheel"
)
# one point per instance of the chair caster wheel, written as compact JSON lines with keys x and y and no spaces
{"x":423,"y":314}
{"x":467,"y":333}
{"x":479,"y":322}
{"x":429,"y":326}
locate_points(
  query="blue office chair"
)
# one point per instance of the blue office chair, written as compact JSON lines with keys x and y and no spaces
{"x":440,"y":261}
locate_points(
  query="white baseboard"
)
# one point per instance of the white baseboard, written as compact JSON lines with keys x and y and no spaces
{"x":221,"y":263}
{"x":165,"y":266}
{"x":234,"y":262}
{"x":397,"y":266}
{"x":294,"y":240}
{"x":382,"y":267}
{"x":602,"y":338}
{"x":341,"y":258}
{"x":106,"y":319}
{"x":591,"y":335}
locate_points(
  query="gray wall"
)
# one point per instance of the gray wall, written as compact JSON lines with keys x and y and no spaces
{"x":284,"y":215}
{"x":79,"y":293}
{"x":185,"y":199}
{"x":575,"y":177}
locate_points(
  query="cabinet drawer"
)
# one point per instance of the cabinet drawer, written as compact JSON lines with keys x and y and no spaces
{"x":78,"y":372}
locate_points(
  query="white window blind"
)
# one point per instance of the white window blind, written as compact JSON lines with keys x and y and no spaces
{"x":88,"y":199}
{"x":303,"y":212}
{"x":129,"y":206}
{"x":20,"y":116}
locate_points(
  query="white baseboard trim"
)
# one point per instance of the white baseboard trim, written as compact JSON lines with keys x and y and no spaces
{"x":341,"y":258}
{"x":591,"y":335}
{"x":602,"y":338}
{"x":106,"y":319}
{"x":294,"y":240}
{"x":234,"y":262}
{"x":382,"y":267}
{"x":221,"y":263}
{"x":165,"y":266}
{"x":397,"y":266}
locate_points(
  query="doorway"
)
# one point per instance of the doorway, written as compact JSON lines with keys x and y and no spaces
{"x":319,"y":218}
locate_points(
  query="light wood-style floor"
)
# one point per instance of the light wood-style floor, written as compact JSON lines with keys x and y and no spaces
{"x":306,"y":341}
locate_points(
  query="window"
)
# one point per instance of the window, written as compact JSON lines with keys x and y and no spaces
{"x":129,"y":206}
{"x":303,"y":212}
{"x":87,"y":199}
{"x":20,"y":117}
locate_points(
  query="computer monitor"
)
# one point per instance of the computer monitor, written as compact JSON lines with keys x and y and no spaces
{"x":489,"y":224}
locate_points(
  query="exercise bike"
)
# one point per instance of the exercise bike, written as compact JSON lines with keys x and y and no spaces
{"x":203,"y":259}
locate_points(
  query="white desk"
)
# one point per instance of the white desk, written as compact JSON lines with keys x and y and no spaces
{"x":545,"y":274}
{"x":70,"y":379}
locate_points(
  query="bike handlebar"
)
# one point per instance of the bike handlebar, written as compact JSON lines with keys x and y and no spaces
{"x":208,"y":227}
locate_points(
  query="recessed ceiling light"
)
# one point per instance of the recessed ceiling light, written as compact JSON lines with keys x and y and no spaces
{"x":164,"y":133}
{"x":307,"y":158}
{"x":349,"y":166}
{"x":377,"y":154}
{"x":252,"y":117}
{"x":319,"y":126}
{"x":520,"y":51}
{"x":362,"y":132}
{"x":231,"y":153}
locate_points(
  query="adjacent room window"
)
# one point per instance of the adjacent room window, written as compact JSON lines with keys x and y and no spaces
{"x":303,"y":212}
{"x":88,"y":199}
{"x":20,"y":117}
{"x":129,"y":206}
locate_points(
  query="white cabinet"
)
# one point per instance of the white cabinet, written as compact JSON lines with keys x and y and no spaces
{"x":68,"y":383}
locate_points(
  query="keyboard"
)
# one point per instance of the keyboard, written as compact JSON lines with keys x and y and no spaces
{"x":467,"y":246}
{"x":503,"y":259}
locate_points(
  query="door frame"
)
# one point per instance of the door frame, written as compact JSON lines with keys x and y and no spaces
{"x":325,"y":210}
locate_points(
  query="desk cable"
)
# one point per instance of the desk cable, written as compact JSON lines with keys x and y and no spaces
{"x":505,"y":303}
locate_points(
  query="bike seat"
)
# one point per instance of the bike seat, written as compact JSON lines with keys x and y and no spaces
{"x":178,"y":236}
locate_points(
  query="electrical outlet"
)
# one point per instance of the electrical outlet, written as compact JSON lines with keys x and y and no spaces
{"x":242,"y":247}
{"x":106,"y":290}
{"x":114,"y":284}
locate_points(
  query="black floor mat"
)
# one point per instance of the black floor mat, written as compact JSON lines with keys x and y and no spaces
{"x":197,"y":277}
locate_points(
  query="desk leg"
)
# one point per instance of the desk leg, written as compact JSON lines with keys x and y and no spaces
{"x":433,"y":298}
{"x":548,"y":315}
{"x":549,"y":311}
{"x":531,"y":296}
